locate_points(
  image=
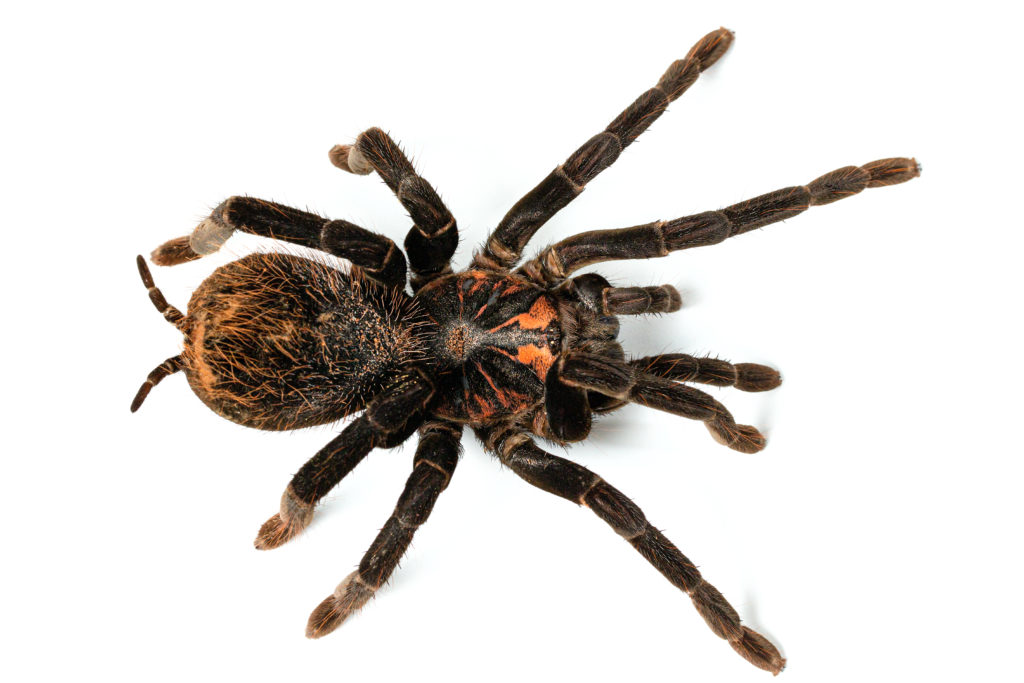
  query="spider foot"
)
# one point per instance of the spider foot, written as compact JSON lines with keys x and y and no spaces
{"x":757,"y":650}
{"x":742,"y":438}
{"x":754,"y":377}
{"x":349,"y":158}
{"x":350,"y":595}
{"x":295,"y":516}
{"x":173,"y":252}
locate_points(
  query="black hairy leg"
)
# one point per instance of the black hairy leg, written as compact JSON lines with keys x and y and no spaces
{"x":597,"y":294}
{"x":506,"y":243}
{"x":171,"y":315}
{"x":389,"y":419}
{"x":433,"y":465}
{"x":169,"y":312}
{"x":640,"y":300}
{"x":377,"y":256}
{"x":660,"y":238}
{"x":620,"y":381}
{"x":434,"y":235}
{"x":574,"y":482}
{"x":168,"y":367}
{"x":682,"y":367}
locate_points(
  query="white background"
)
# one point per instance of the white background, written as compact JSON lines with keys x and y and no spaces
{"x":876,"y":538}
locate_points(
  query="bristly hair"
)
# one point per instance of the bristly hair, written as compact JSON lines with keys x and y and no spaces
{"x":253,"y":322}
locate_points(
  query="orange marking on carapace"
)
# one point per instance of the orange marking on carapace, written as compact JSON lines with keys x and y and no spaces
{"x":490,"y":381}
{"x":540,"y":315}
{"x":486,"y":409}
{"x":478,"y":279}
{"x":510,"y":400}
{"x":539,"y":358}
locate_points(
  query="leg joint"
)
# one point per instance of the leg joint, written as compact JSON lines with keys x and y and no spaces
{"x":621,"y":514}
{"x":211,"y":234}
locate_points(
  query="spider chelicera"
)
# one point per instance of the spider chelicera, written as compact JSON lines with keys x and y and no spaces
{"x":277,"y":341}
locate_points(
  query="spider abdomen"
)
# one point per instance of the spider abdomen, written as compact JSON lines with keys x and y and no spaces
{"x":276,"y":341}
{"x":497,"y":336}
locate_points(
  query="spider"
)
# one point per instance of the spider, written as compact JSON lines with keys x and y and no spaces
{"x":277,"y":341}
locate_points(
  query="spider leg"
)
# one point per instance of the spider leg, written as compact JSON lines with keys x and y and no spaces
{"x":433,"y":465}
{"x":506,"y":242}
{"x":171,"y":315}
{"x":168,"y":367}
{"x":169,"y":312}
{"x":598,"y":295}
{"x":651,"y":240}
{"x":681,"y":367}
{"x":389,"y":419}
{"x":566,"y":408}
{"x":576,"y":483}
{"x":434,"y":235}
{"x":621,"y":381}
{"x":640,"y":300}
{"x":378,"y":256}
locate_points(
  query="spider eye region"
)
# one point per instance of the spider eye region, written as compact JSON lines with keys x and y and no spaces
{"x":455,"y":342}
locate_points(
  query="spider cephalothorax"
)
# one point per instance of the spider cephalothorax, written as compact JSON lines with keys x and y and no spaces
{"x":280,"y":341}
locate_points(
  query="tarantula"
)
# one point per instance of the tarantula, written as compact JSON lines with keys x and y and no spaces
{"x":277,"y":341}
